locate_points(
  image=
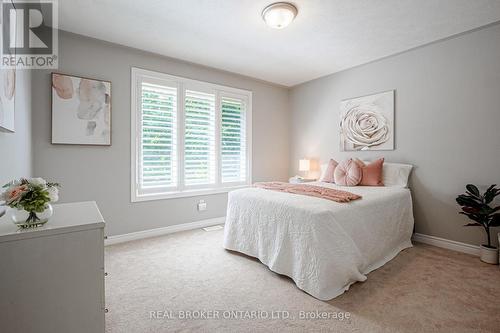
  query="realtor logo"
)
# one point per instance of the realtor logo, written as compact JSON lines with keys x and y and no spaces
{"x":29,"y":34}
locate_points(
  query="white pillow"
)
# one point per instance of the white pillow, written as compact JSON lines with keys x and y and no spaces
{"x":396,"y":174}
{"x":323,"y":168}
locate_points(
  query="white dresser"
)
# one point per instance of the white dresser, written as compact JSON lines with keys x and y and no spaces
{"x":52,"y":277}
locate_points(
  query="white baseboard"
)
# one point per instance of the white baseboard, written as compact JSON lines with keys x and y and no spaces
{"x":426,"y":239}
{"x":163,"y":231}
{"x":446,"y":244}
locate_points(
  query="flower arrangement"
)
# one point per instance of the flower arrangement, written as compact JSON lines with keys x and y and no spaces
{"x":32,"y":195}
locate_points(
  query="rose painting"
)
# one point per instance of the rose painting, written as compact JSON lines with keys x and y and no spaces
{"x":81,"y":110}
{"x":367,"y":123}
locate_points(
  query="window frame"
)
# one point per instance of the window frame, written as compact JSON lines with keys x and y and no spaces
{"x":220,"y":91}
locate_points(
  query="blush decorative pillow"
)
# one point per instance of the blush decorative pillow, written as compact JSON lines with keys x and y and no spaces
{"x":372,"y":173}
{"x":328,"y":175}
{"x":348,"y":173}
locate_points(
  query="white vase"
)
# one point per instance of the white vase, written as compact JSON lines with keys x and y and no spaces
{"x":489,"y":255}
{"x":25,"y":219}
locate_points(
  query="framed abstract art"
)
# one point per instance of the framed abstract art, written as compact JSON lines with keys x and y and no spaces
{"x":81,"y":110}
{"x":8,"y":84}
{"x":7,"y":99}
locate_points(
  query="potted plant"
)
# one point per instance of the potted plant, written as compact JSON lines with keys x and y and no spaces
{"x":476,"y":206}
{"x":29,"y":201}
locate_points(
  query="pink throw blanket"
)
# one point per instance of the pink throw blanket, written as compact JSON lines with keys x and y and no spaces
{"x":310,"y":190}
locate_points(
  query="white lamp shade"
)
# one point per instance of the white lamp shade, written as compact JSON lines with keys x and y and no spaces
{"x":304,"y":165}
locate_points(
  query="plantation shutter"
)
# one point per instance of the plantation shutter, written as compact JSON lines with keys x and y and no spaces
{"x":158,"y":143}
{"x":233,"y":140}
{"x":189,"y":137}
{"x":199,"y":138}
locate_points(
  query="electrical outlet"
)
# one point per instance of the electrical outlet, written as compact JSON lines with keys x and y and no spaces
{"x":202,"y":205}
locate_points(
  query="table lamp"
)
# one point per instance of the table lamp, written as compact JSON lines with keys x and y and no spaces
{"x":304,"y":166}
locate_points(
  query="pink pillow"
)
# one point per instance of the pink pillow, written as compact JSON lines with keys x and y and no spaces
{"x":348,"y":173}
{"x":372,"y":173}
{"x":328,"y":176}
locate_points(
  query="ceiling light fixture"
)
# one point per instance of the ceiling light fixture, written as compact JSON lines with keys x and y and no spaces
{"x":280,"y":14}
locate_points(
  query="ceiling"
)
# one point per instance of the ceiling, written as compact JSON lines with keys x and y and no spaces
{"x":326,"y":37}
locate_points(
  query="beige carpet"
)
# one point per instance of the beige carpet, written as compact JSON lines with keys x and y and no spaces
{"x":424,"y":289}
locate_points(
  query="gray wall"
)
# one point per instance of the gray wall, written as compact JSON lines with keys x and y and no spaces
{"x":447,"y":122}
{"x":447,"y":116}
{"x":103,"y":173}
{"x":15,"y":148}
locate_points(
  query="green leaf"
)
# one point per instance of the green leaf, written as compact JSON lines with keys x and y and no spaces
{"x":473,"y":189}
{"x":9,"y":184}
{"x":491,"y":188}
{"x":472,"y":216}
{"x":466,"y":200}
{"x":491,"y":193}
{"x":485,"y":210}
{"x":495,"y":221}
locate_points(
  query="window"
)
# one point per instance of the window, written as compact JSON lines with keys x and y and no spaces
{"x":233,"y":140}
{"x":158,"y":160}
{"x":188,"y":137}
{"x":199,"y":138}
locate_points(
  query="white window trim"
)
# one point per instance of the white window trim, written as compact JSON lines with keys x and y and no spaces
{"x":135,"y":138}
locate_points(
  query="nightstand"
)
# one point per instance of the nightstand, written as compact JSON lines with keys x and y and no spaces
{"x":295,"y":180}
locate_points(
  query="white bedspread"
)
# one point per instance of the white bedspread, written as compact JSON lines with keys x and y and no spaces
{"x":324,"y":246}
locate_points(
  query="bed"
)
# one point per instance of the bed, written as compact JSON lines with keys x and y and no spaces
{"x":324,"y":246}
